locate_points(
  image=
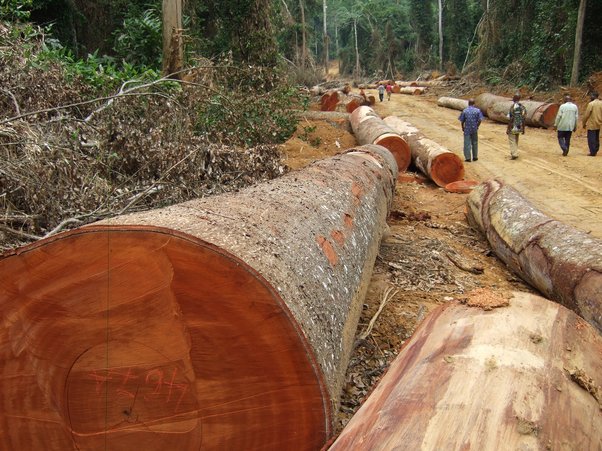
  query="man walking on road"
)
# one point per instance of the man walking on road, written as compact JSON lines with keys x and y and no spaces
{"x":381,"y":92}
{"x":516,"y":126}
{"x":471,"y":118}
{"x":566,"y":123}
{"x":592,"y":121}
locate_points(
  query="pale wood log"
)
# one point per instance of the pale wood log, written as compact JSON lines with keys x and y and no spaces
{"x":435,"y":161}
{"x":562,"y":262}
{"x":369,"y":128}
{"x":421,"y":83}
{"x":334,"y":118}
{"x":413,"y":90}
{"x":511,"y":378}
{"x":173,"y":49}
{"x":539,"y":114}
{"x":221,"y":323}
{"x":453,"y":103}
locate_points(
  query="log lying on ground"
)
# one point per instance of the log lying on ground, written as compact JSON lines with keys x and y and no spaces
{"x":562,"y":262}
{"x":539,"y":114}
{"x":421,"y":83}
{"x":369,"y":128}
{"x":515,"y":377}
{"x":453,"y":103}
{"x":435,"y":161}
{"x":329,"y":100}
{"x":413,"y":91}
{"x":220,"y":323}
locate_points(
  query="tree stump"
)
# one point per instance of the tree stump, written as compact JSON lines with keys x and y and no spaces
{"x":369,"y":128}
{"x":435,"y":161}
{"x":221,"y":323}
{"x":525,"y":376}
{"x":562,"y":262}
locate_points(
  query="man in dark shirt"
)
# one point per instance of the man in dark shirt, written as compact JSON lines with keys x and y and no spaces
{"x":471,"y":118}
{"x":516,"y":125}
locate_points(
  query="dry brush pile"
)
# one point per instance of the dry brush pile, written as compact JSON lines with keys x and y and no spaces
{"x":71,"y":154}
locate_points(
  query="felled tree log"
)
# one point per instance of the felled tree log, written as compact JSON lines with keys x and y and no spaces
{"x":220,"y":323}
{"x":412,"y":90}
{"x":435,"y":161}
{"x":334,"y":118}
{"x":330,"y":100}
{"x":348,"y":103}
{"x":524,"y":376}
{"x":369,"y":128}
{"x":453,"y":103}
{"x":562,"y":262}
{"x":539,"y":114}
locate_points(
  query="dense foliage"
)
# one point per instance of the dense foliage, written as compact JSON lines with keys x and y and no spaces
{"x":522,"y":41}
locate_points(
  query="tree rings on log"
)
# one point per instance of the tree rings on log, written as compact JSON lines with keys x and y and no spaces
{"x":524,"y":376}
{"x":369,"y":128}
{"x":562,"y":262}
{"x":221,"y":323}
{"x":461,"y":186}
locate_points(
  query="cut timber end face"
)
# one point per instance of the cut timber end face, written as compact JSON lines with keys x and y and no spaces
{"x":461,"y":186}
{"x":446,"y":168}
{"x":125,"y":338}
{"x":398,"y":147}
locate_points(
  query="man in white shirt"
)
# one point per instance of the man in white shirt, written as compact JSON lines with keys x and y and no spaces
{"x":566,"y":123}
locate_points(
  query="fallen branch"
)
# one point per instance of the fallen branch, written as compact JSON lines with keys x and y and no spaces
{"x":12,"y":96}
{"x":460,"y":263}
{"x":387,"y":295}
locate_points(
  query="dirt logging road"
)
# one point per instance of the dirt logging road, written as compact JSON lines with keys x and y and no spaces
{"x":566,"y":188}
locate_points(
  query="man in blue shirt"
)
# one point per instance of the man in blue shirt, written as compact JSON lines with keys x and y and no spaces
{"x":471,"y":118}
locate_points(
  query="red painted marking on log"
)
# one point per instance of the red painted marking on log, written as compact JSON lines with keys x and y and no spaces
{"x":328,"y":250}
{"x":338,"y":237}
{"x":348,"y":221}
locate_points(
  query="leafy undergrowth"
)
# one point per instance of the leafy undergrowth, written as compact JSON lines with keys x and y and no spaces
{"x":80,"y":142}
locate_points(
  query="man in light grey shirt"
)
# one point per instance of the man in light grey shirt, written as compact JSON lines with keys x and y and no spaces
{"x":566,"y":123}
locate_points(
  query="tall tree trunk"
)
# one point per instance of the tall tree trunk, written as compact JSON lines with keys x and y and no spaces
{"x":357,"y":52}
{"x":336,"y":41}
{"x":578,"y":39}
{"x":326,"y":58}
{"x":173,"y":54}
{"x":441,"y":35}
{"x":303,"y":35}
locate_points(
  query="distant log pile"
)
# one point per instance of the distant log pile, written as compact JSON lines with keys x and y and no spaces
{"x":539,"y":114}
{"x":453,"y":103}
{"x":221,"y":323}
{"x":524,"y":376}
{"x":369,"y":128}
{"x":562,"y":262}
{"x":336,"y":100}
{"x":435,"y":161}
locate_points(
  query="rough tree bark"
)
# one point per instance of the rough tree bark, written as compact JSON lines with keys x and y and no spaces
{"x":578,"y":42}
{"x":453,"y":103}
{"x":435,"y":161}
{"x":173,"y":52}
{"x":220,"y":323}
{"x":539,"y":114}
{"x":325,"y":38}
{"x":563,"y":263}
{"x":518,"y":377}
{"x":369,"y":128}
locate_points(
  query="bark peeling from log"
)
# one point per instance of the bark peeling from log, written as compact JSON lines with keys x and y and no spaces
{"x":562,"y":262}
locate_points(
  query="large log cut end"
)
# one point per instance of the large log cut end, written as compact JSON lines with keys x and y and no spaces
{"x":435,"y":161}
{"x":221,"y":323}
{"x":446,"y":168}
{"x":562,"y":262}
{"x":525,"y":376}
{"x":142,"y":338}
{"x":369,"y":128}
